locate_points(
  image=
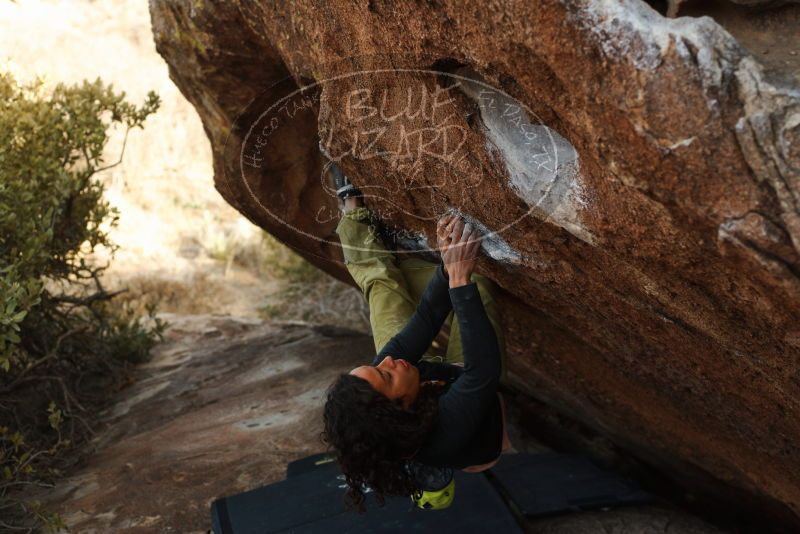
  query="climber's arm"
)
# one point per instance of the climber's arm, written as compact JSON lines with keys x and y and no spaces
{"x":418,"y":334}
{"x":464,"y":406}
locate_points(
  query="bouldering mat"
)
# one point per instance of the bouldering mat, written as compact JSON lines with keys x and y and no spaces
{"x":311,"y":501}
{"x":550,"y":483}
{"x":322,"y":460}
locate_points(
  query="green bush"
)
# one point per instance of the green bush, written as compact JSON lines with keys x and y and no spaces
{"x":63,"y":340}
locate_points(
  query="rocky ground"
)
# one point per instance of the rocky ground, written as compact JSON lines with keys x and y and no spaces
{"x":223,"y":406}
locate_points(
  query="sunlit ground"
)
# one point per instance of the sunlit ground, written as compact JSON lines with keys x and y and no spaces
{"x":176,"y":234}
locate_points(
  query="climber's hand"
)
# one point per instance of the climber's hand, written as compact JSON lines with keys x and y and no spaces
{"x":461,"y":254}
{"x":443,"y":229}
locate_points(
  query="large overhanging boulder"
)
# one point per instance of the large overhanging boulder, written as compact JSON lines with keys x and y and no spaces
{"x":638,"y":178}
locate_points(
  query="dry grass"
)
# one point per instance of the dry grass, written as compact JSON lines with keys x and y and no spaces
{"x":307,"y":293}
{"x":197,"y":294}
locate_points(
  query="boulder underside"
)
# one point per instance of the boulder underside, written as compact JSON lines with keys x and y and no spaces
{"x":638,"y":178}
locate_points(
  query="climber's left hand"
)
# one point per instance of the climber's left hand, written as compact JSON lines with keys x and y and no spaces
{"x":444,"y":227}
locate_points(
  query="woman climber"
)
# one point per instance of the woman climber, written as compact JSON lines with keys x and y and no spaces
{"x":402,"y":425}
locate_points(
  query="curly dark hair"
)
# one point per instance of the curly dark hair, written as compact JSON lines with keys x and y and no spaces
{"x":372,"y":436}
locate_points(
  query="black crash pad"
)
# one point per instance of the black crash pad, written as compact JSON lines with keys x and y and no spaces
{"x":322,"y":460}
{"x":550,"y":483}
{"x":311,"y":501}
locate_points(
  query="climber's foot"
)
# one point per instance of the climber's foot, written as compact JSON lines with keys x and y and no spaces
{"x":344,"y":188}
{"x":349,"y":195}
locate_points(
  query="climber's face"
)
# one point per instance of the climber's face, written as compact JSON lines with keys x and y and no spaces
{"x":396,"y":379}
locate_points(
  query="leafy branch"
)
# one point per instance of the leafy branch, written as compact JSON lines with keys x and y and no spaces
{"x":62,"y":335}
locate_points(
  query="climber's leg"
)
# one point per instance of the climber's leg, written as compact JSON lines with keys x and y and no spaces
{"x":374,"y":270}
{"x":418,"y":273}
{"x":486,"y":289}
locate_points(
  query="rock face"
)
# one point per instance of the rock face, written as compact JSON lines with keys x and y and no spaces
{"x":638,"y":178}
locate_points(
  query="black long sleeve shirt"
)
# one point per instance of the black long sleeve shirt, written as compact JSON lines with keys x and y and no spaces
{"x":469,"y":430}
